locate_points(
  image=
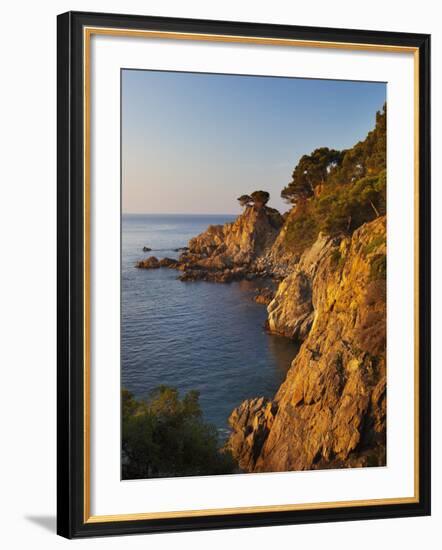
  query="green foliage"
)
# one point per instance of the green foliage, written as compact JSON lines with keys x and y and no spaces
{"x":344,"y":208}
{"x":260,"y":198}
{"x":378,"y":267}
{"x":337,"y":258}
{"x":312,"y":170}
{"x":374,"y":244}
{"x":366,"y":158}
{"x":302,"y":231}
{"x":129,"y":405}
{"x":165,"y":436}
{"x":353,"y":189}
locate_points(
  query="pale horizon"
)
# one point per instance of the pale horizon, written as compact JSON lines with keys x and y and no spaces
{"x":179,"y":213}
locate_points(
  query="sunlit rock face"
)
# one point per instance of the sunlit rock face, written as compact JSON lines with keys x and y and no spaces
{"x":251,"y":235}
{"x":331,"y":410}
{"x":229,"y":252}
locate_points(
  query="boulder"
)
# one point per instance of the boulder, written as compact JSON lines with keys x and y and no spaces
{"x":250,"y":423}
{"x":149,"y":263}
{"x":290,"y":313}
{"x":168,"y":262}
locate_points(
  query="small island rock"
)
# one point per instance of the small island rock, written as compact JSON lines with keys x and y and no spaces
{"x":149,"y":263}
{"x":168,"y":262}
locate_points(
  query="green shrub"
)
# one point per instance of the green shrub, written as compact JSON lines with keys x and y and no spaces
{"x":165,"y":436}
{"x":302,"y":231}
{"x":349,"y":188}
{"x":337,"y":258}
{"x":374,"y":244}
{"x":378,"y":267}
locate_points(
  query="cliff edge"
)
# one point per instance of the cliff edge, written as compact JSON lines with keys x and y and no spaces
{"x":331,"y":409}
{"x":229,"y":252}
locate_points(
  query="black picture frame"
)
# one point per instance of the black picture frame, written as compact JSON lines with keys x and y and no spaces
{"x":70,"y":265}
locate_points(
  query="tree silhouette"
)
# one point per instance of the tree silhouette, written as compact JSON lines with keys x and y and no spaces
{"x":260,"y":198}
{"x":245,"y":200}
{"x":311,"y":171}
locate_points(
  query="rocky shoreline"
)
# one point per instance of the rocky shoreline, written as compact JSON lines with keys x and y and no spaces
{"x":230,"y":252}
{"x":331,"y":410}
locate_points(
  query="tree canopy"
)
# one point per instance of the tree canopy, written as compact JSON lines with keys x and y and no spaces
{"x":260,"y":198}
{"x":257,"y":198}
{"x":165,"y":436}
{"x":352,"y":188}
{"x":312,"y":170}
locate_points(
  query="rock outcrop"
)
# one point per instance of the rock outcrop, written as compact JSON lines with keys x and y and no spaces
{"x":251,"y":422}
{"x":264,"y":296}
{"x":229,"y":252}
{"x":291,"y":311}
{"x":238,"y":243}
{"x":330,"y":411}
{"x":168,"y":262}
{"x":154,"y":263}
{"x":149,"y":263}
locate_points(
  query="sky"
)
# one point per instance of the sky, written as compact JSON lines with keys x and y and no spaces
{"x":192,"y":143}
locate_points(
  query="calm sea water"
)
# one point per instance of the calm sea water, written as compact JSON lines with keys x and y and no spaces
{"x":193,"y":335}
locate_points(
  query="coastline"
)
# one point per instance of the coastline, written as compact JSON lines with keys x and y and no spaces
{"x":327,"y":257}
{"x":291,"y":313}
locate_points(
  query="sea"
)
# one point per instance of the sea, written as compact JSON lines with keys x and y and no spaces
{"x":193,"y":335}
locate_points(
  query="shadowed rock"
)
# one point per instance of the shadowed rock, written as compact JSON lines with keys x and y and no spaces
{"x":264,"y":296}
{"x":168,"y":262}
{"x":149,"y":263}
{"x":238,"y":244}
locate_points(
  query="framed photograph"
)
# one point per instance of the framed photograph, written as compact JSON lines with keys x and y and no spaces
{"x":243,"y":274}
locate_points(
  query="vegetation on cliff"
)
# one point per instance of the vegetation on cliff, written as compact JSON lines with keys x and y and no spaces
{"x":257,"y":198}
{"x":336,"y":192}
{"x":165,"y":436}
{"x":330,"y":412}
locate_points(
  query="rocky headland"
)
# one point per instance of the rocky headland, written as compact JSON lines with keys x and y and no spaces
{"x":326,"y":258}
{"x":331,"y":409}
{"x":229,"y":252}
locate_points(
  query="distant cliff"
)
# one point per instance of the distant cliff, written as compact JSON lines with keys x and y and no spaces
{"x":229,"y":252}
{"x":330,"y":411}
{"x":251,"y":235}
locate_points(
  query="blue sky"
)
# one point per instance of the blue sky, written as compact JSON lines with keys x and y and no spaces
{"x":193,"y":143}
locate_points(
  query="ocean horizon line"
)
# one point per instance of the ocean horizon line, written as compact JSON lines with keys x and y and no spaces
{"x":178,"y":214}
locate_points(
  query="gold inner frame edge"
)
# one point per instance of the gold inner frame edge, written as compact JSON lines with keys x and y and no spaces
{"x":87,"y":33}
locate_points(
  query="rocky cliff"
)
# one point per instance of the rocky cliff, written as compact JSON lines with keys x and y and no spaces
{"x":331,"y":409}
{"x":239,"y":243}
{"x":228,"y":252}
{"x":328,"y":257}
